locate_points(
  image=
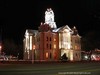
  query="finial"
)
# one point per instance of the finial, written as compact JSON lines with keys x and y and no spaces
{"x":74,"y":27}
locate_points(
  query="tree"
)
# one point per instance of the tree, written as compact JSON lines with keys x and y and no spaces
{"x":10,"y":47}
{"x":91,"y":41}
{"x":64,"y":57}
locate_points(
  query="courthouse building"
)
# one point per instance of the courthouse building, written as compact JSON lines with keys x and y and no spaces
{"x":50,"y":43}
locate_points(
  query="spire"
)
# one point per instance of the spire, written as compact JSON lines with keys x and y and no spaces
{"x":75,"y":32}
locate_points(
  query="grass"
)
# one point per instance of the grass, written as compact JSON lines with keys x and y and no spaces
{"x":92,"y":68}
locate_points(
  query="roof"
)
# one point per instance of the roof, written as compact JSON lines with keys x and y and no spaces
{"x":31,"y":32}
{"x":62,"y":28}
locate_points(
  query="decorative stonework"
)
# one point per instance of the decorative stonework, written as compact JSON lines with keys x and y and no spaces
{"x":49,"y":18}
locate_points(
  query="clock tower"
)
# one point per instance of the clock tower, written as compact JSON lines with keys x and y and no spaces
{"x":49,"y":18}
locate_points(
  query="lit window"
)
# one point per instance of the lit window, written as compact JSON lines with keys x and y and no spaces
{"x":71,"y":56}
{"x":54,"y":39}
{"x":75,"y":47}
{"x":55,"y":46}
{"x":47,"y":54}
{"x":69,"y":46}
{"x":33,"y":46}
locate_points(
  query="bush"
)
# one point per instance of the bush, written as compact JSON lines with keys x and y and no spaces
{"x":64,"y":57}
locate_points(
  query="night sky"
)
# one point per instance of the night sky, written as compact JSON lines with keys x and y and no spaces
{"x":16,"y":16}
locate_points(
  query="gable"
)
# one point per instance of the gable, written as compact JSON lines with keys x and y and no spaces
{"x":65,"y":29}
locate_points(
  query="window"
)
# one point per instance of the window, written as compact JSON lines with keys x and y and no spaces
{"x":76,"y":55}
{"x":33,"y":47}
{"x":50,"y":46}
{"x":47,"y":54}
{"x":47,"y":45}
{"x":50,"y":56}
{"x":50,"y":38}
{"x":75,"y":47}
{"x":54,"y":46}
{"x":47,"y":38}
{"x":54,"y":39}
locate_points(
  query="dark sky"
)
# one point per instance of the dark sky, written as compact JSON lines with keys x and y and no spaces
{"x":16,"y":16}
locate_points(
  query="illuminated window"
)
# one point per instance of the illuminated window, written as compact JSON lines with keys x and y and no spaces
{"x":54,"y":39}
{"x":0,"y":47}
{"x":69,"y":46}
{"x":75,"y":47}
{"x":47,"y":54}
{"x":55,"y":46}
{"x":71,"y":56}
{"x":33,"y":46}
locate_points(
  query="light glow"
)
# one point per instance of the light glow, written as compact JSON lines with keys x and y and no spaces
{"x":54,"y":46}
{"x":54,"y":39}
{"x":33,"y":47}
{"x":47,"y":54}
{"x":71,"y":55}
{"x":27,"y":42}
{"x":0,"y":47}
{"x":49,"y":18}
{"x":30,"y":42}
{"x":65,"y":39}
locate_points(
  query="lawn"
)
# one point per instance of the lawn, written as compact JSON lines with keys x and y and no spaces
{"x":73,"y":68}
